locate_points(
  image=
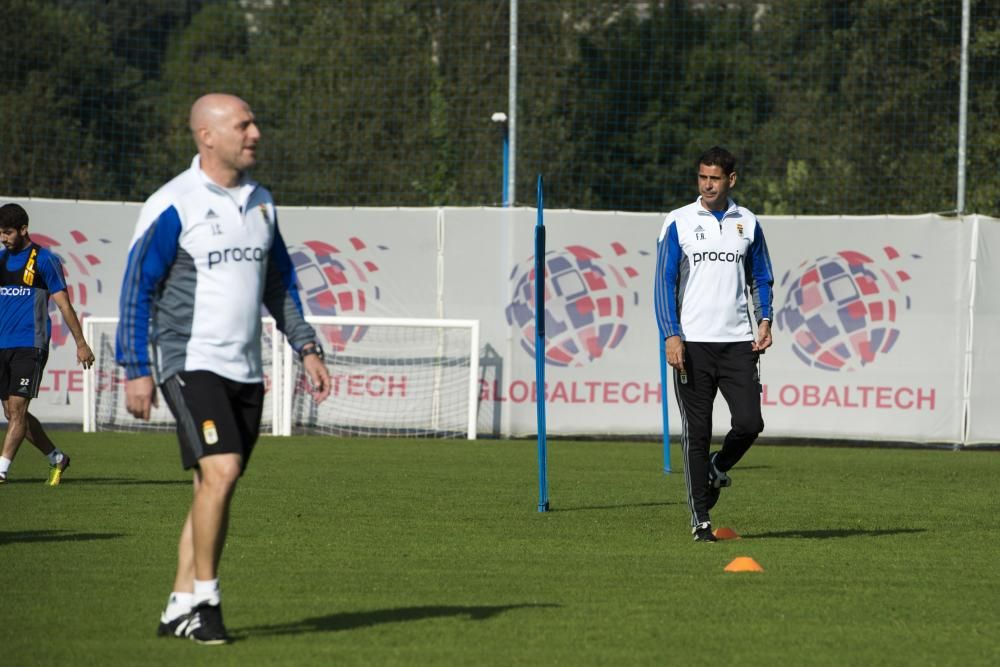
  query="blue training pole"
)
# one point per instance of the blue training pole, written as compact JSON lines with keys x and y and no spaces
{"x":543,"y":482}
{"x":506,"y":166}
{"x":663,"y":403}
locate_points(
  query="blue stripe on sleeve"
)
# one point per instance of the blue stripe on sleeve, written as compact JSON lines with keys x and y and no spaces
{"x":763,"y":275}
{"x":668,"y":255}
{"x":149,"y":260}
{"x":283,"y":262}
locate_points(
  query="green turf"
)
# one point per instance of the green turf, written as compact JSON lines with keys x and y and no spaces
{"x":390,"y":552}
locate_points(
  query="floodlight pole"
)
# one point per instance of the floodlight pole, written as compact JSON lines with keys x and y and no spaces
{"x":963,"y":108}
{"x":510,"y":195}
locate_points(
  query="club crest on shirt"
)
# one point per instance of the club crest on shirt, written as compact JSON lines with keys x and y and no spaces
{"x":208,"y":430}
{"x":739,"y":229}
{"x":263,"y":213}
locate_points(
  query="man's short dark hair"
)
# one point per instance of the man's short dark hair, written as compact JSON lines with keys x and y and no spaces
{"x":13,"y":216}
{"x":716,"y":156}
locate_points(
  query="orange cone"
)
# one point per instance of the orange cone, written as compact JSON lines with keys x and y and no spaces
{"x":744,"y":564}
{"x":726,"y":534}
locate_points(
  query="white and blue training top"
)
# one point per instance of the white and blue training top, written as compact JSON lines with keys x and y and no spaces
{"x":200,"y":264}
{"x":704,"y":266}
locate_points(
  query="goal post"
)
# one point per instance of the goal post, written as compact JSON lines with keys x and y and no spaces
{"x":397,"y":377}
{"x":91,"y":327}
{"x":104,"y":407}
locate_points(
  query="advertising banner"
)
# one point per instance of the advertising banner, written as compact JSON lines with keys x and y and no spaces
{"x":871,"y":325}
{"x":984,"y":359}
{"x":860,"y":350}
{"x":602,"y":348}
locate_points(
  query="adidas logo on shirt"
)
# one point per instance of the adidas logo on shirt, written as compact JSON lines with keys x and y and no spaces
{"x":211,"y":215}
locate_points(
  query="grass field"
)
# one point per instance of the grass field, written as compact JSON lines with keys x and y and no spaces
{"x":391,"y":552}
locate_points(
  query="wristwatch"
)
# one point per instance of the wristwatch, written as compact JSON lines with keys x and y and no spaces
{"x":313,"y":348}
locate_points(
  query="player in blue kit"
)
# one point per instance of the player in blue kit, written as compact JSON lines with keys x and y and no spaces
{"x":206,"y":255}
{"x":712,"y":261}
{"x":29,"y":276}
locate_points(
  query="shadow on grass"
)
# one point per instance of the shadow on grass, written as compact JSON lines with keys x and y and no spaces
{"x":678,"y":468}
{"x":353,"y":620}
{"x":836,"y":532}
{"x":126,"y":481}
{"x":588,"y":508}
{"x":22,"y":536}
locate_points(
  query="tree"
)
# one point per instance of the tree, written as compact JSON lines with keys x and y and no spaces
{"x":61,"y":109}
{"x":983,"y":192}
{"x":867,"y":107}
{"x":208,"y":55}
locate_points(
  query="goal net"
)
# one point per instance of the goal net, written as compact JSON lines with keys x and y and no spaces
{"x":104,"y":384}
{"x":390,"y":377}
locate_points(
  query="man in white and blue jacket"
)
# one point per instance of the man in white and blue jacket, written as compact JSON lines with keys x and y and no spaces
{"x":206,"y":254}
{"x":712,"y":262}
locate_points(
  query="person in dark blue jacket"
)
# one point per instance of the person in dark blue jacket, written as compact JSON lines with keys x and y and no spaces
{"x":29,"y":276}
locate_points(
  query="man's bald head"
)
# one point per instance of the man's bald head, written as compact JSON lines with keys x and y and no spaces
{"x":226,"y":134}
{"x":208,"y":111}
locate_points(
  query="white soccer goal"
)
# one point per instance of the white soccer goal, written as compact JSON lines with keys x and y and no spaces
{"x":104,"y":384}
{"x":390,"y":377}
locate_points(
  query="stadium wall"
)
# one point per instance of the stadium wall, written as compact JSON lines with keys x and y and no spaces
{"x":886,"y":327}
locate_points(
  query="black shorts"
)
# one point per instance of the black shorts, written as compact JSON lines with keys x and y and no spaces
{"x":214,"y":415}
{"x":21,"y":371}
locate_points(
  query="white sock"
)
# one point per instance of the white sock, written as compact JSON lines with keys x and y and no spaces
{"x":55,"y":456}
{"x":207,"y":592}
{"x":178,"y":604}
{"x":4,"y":465}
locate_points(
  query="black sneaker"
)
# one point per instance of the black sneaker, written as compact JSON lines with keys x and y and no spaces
{"x":174,"y":628}
{"x":717,"y":480}
{"x":716,"y":477}
{"x":703,"y":532}
{"x":205,"y":625}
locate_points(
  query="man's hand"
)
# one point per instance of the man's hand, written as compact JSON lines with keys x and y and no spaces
{"x":763,"y":337}
{"x":319,"y":377}
{"x":675,"y":352}
{"x":84,"y":355}
{"x":140,"y":397}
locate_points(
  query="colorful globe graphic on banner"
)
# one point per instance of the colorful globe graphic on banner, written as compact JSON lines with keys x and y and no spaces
{"x":587,"y":298}
{"x":80,"y":257}
{"x":842,"y":310}
{"x":336,"y":282}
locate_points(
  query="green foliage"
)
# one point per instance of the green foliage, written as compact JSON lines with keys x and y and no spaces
{"x":61,"y":115}
{"x":858,"y":110}
{"x":650,"y":130}
{"x":983,"y":195}
{"x":831,"y":107}
{"x":208,"y":56}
